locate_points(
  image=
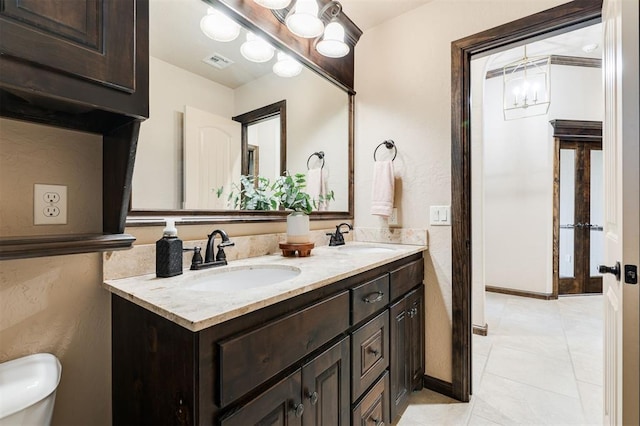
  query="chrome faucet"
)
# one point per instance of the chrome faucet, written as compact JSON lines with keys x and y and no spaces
{"x":337,"y":239}
{"x":209,"y":261}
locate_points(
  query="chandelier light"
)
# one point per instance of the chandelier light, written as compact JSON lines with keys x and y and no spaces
{"x":286,"y":66}
{"x":256,"y":49}
{"x":218,"y":26}
{"x":526,"y":87}
{"x":273,"y":4}
{"x":303,"y":19}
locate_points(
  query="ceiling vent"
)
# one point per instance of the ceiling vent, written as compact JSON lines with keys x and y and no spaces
{"x":218,"y":61}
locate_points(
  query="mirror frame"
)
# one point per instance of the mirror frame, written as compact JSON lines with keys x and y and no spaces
{"x":338,"y":71}
{"x":256,"y":116}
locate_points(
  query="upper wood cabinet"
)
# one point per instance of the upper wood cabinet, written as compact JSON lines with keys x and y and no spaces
{"x":66,"y":59}
{"x":83,"y":65}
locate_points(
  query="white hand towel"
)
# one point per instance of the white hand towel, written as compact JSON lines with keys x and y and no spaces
{"x":382,"y":194}
{"x":317,"y":187}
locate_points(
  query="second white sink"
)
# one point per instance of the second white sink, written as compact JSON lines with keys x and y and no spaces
{"x":241,"y":278}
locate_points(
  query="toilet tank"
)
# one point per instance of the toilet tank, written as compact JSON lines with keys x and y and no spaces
{"x":27,"y":389}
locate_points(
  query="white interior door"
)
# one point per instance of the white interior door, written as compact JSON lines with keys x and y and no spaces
{"x":212,"y":158}
{"x":621,"y":180}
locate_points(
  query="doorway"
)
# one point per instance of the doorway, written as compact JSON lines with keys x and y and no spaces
{"x":560,"y":19}
{"x":578,"y":207}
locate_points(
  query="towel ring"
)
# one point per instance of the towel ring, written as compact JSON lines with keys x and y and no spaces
{"x":389,"y":144}
{"x":320,"y":155}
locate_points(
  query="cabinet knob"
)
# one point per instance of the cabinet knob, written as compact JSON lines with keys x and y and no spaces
{"x":373,"y":297}
{"x":299,"y":410}
{"x":313,"y":398}
{"x":375,"y":352}
{"x":378,"y":422}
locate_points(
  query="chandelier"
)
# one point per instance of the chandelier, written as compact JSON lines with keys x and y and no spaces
{"x":526,"y":87}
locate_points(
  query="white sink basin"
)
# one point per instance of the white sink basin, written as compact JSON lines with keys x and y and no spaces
{"x":241,"y":278}
{"x":365,"y":249}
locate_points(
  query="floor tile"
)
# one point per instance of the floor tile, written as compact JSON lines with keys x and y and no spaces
{"x":536,"y":370}
{"x":541,"y":364}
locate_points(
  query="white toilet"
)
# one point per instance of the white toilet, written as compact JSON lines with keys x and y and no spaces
{"x":28,"y":389}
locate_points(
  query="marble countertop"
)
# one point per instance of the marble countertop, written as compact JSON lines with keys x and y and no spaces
{"x":195,"y":309}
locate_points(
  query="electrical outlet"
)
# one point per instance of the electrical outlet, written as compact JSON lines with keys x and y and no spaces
{"x":49,"y":204}
{"x":393,"y":219}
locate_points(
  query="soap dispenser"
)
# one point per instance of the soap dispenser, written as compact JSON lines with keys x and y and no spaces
{"x":169,"y":252}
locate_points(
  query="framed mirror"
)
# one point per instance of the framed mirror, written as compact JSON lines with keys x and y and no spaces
{"x":216,"y":116}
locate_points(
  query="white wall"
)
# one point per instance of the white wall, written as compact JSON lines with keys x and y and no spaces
{"x":403,"y":75}
{"x":518,"y":178}
{"x":157,"y":176}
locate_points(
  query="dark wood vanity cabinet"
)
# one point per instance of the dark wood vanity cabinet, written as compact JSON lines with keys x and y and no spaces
{"x":82,"y":65}
{"x":325,"y":357}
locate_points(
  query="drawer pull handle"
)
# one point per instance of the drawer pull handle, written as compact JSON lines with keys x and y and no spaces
{"x":313,"y":398}
{"x":299,"y":409}
{"x":378,"y":422}
{"x":377,"y":296}
{"x":375,"y":352}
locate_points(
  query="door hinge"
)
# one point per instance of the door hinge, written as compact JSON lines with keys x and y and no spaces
{"x":631,"y":274}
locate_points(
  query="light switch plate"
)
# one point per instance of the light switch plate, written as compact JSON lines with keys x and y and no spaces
{"x":440,"y":215}
{"x":49,"y":204}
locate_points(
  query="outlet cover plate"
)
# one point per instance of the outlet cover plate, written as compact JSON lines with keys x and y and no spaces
{"x":393,"y":219}
{"x":49,"y":204}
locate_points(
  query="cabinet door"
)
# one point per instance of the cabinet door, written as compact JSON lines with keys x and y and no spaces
{"x":91,"y":53}
{"x":415,"y":304}
{"x":407,"y":349}
{"x":280,"y":405}
{"x":400,"y":378}
{"x":325,"y":387}
{"x":74,"y":36}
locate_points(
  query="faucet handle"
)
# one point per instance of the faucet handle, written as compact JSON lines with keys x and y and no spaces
{"x":196,"y":260}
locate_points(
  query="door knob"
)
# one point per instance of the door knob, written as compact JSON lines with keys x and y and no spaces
{"x":615,"y":270}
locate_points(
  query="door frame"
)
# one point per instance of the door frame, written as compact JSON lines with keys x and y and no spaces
{"x":560,"y":19}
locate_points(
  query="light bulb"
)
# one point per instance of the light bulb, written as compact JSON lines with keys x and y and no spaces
{"x":332,"y":44}
{"x":286,"y":66}
{"x":273,"y":4}
{"x":256,"y":50}
{"x":218,"y":26}
{"x":303,"y":21}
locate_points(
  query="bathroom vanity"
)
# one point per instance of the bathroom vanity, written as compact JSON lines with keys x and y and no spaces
{"x":341,"y":343}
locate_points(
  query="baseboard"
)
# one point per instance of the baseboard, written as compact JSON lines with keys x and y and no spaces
{"x":481,"y":330}
{"x":437,"y":385}
{"x":521,"y":293}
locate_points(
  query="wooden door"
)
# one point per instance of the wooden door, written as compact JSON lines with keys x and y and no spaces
{"x":280,"y":405}
{"x":622,"y":204}
{"x":325,"y":387}
{"x":212,"y":147}
{"x":580,"y":208}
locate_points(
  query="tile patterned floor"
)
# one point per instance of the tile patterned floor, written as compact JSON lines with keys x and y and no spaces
{"x":541,"y":364}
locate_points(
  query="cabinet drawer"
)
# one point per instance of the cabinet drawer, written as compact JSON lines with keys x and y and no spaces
{"x":368,"y":298}
{"x":406,"y":277}
{"x":369,"y":353}
{"x":251,"y":358}
{"x":374,"y":407}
